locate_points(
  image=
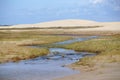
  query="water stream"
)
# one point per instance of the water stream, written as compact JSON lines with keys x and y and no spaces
{"x":46,"y":67}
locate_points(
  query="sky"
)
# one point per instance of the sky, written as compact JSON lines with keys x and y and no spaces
{"x":35,"y":11}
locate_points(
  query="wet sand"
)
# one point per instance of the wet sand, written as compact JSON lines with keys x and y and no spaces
{"x":109,"y":71}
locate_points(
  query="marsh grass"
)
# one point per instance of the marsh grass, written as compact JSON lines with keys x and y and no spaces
{"x":30,"y":38}
{"x":107,"y":49}
{"x":12,"y":52}
{"x":13,"y":45}
{"x":25,"y":35}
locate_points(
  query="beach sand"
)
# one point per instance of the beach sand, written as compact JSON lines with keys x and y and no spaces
{"x":109,"y":71}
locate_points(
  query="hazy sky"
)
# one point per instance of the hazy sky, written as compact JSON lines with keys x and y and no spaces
{"x":35,"y":11}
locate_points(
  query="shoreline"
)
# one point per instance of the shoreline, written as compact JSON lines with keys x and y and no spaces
{"x":104,"y":66}
{"x":109,"y":71}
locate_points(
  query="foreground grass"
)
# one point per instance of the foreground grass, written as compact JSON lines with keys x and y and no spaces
{"x":12,"y":45}
{"x":107,"y":49}
{"x":11,"y":52}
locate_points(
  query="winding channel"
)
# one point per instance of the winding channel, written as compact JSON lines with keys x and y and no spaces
{"x":46,"y":67}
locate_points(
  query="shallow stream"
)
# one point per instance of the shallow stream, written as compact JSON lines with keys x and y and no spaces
{"x":46,"y":67}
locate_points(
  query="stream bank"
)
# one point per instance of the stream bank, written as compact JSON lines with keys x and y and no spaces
{"x":46,"y":67}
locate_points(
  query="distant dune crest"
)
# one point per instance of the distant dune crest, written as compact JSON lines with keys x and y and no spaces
{"x":59,"y":23}
{"x":73,"y":24}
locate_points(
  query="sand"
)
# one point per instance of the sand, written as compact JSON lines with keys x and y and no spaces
{"x":58,"y":23}
{"x":105,"y":28}
{"x":110,"y":71}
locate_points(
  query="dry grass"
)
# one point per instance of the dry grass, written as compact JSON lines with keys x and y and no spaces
{"x":108,"y":49}
{"x":12,"y":52}
{"x":30,"y":38}
{"x":10,"y":49}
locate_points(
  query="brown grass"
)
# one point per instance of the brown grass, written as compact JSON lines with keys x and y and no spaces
{"x":108,"y":49}
{"x":10,"y":49}
{"x":12,"y":52}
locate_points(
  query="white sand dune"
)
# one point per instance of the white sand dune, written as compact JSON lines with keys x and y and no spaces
{"x":104,"y":26}
{"x":59,"y":23}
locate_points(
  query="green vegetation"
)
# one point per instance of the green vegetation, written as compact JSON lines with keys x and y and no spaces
{"x":107,"y":49}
